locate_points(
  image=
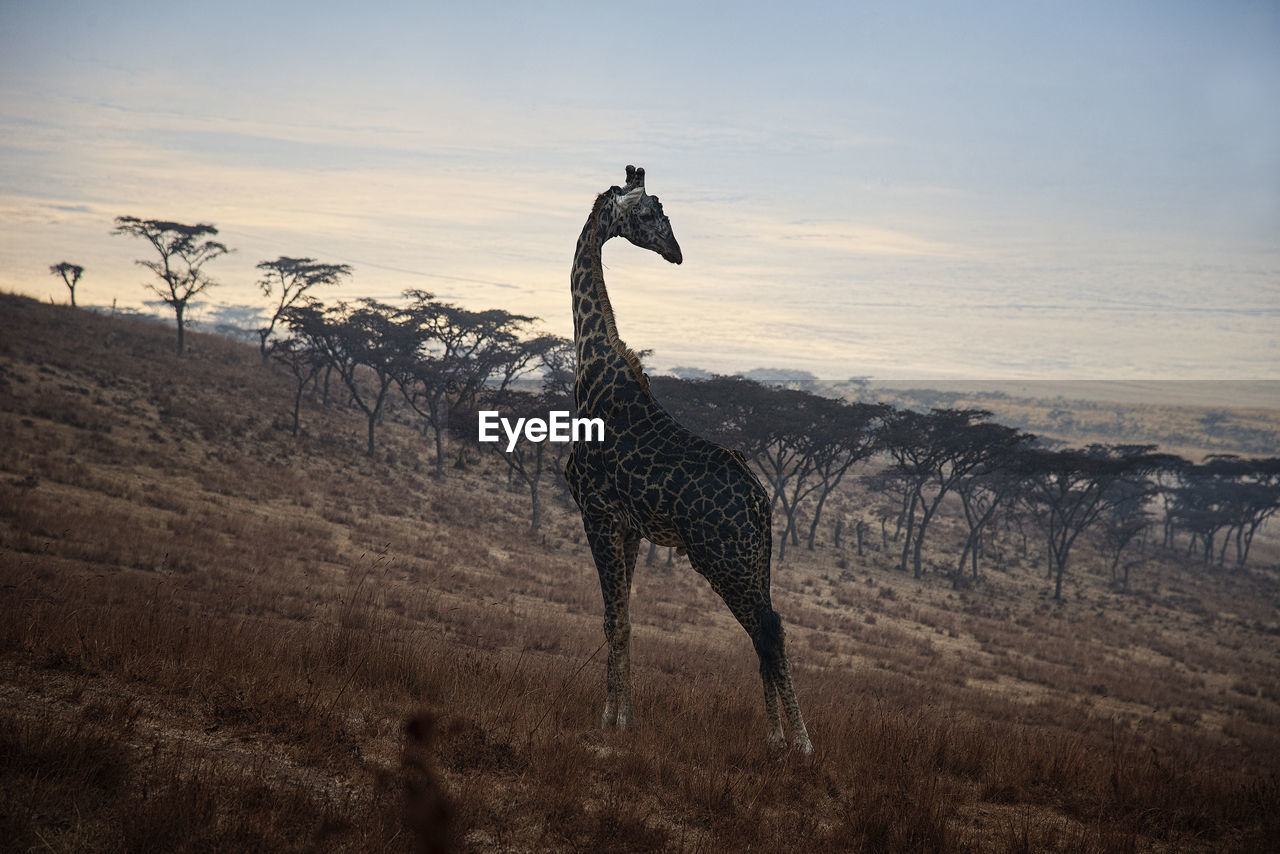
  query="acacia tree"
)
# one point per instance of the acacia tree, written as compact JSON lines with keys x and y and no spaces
{"x":1168,"y":478}
{"x":988,"y":486}
{"x":304,"y":363}
{"x":1259,"y":494}
{"x":70,"y":274}
{"x":914,"y":459}
{"x":452,"y":353}
{"x":557,"y":361}
{"x":288,"y":280}
{"x":982,"y":493}
{"x":1123,"y":521}
{"x":932,"y":453}
{"x":1068,"y":490}
{"x":783,"y":433}
{"x":364,"y":343}
{"x":1226,"y":494}
{"x":896,"y":492}
{"x":1202,"y":507}
{"x":512,"y":357}
{"x":183,"y":254}
{"x":843,"y":435}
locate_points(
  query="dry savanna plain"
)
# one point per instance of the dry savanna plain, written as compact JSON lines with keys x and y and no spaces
{"x":215,"y":636}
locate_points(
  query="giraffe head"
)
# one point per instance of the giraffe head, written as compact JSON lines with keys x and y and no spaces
{"x":639,"y":218}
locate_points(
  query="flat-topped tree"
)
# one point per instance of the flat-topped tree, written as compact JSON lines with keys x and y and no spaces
{"x":70,"y":274}
{"x":1068,"y":490}
{"x":932,"y":452}
{"x":183,"y":253}
{"x":1225,"y":495}
{"x":454,"y":353}
{"x":287,"y":280}
{"x":366,"y":343}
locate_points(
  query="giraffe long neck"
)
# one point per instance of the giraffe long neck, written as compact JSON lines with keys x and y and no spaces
{"x":602,"y":355}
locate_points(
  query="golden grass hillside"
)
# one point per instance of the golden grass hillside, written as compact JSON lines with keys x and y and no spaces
{"x":217,"y":637}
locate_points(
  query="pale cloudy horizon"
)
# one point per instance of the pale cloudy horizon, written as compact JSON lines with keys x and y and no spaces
{"x":996,"y":191}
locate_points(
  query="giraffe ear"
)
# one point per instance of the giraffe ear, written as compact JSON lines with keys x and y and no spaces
{"x":628,"y":198}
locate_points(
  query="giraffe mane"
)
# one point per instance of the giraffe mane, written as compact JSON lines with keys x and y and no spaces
{"x":606,"y":308}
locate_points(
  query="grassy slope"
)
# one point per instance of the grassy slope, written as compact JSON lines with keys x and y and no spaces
{"x":212,"y":636}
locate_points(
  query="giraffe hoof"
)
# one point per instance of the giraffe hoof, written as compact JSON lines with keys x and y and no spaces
{"x":777,"y":742}
{"x":804,"y":746}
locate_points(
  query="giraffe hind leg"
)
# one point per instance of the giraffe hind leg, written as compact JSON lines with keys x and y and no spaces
{"x":766,"y":643}
{"x":770,"y":644}
{"x":753,"y":612}
{"x":776,"y":737}
{"x":787,"y":693}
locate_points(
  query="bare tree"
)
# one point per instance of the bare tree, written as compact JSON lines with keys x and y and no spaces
{"x":70,"y":274}
{"x":183,"y":254}
{"x":287,"y":280}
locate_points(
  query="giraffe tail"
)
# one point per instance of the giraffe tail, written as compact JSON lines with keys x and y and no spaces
{"x":768,"y":637}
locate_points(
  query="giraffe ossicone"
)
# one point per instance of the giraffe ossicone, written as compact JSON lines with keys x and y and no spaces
{"x":651,"y":478}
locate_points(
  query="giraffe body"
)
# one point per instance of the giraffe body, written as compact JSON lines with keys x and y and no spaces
{"x":651,"y":478}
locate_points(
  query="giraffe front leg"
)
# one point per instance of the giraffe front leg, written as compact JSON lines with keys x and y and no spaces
{"x":611,"y":681}
{"x":614,"y":549}
{"x":617,"y":707}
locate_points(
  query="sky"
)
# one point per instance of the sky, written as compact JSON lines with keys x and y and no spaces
{"x":1022,"y":190}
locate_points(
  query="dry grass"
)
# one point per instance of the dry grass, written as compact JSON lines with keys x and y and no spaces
{"x":216,"y":637}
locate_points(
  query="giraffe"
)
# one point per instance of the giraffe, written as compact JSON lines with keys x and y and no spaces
{"x":651,"y":478}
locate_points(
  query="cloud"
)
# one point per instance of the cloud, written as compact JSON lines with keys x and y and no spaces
{"x":853,"y":239}
{"x":819,"y":234}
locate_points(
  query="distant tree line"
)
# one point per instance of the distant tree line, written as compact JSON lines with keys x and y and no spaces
{"x":444,"y":363}
{"x":441,"y":363}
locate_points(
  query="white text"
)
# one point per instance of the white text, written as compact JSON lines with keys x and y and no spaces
{"x":557,"y":427}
